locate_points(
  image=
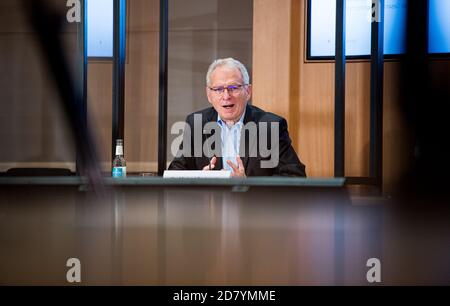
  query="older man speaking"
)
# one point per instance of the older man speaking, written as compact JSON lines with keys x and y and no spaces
{"x":252,"y":142}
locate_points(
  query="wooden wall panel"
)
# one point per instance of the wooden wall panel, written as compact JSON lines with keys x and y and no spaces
{"x":141,"y":86}
{"x":315,"y":138}
{"x":141,"y":108}
{"x":271,"y":30}
{"x":100,"y":109}
{"x":357,"y":119}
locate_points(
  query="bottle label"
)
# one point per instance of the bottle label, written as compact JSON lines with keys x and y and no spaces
{"x":119,"y":150}
{"x":119,"y":172}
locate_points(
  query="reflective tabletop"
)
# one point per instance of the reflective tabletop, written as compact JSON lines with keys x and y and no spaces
{"x":266,"y":231}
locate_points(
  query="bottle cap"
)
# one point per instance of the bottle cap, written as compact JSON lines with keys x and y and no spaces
{"x":119,"y":147}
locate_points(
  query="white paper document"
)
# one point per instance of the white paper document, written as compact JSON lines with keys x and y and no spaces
{"x":196,"y":174}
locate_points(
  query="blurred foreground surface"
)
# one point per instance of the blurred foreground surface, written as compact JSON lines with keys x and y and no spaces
{"x":283,"y":233}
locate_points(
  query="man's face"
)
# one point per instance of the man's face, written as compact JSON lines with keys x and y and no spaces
{"x":229,"y":105}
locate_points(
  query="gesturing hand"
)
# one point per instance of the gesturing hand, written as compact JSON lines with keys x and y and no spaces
{"x":238,"y":170}
{"x":211,"y":165}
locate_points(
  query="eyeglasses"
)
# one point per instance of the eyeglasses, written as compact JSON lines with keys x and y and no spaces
{"x":232,"y":89}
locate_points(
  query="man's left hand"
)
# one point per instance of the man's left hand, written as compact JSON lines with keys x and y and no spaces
{"x":238,"y":170}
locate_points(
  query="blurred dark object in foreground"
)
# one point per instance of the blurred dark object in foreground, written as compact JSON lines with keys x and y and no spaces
{"x":424,"y":98}
{"x":47,"y":22}
{"x":38,"y":172}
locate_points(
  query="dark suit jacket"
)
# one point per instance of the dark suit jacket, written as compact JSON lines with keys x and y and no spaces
{"x":289,"y":164}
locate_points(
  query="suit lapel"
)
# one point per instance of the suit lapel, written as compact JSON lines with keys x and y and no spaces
{"x":249,"y":144}
{"x":211,"y":116}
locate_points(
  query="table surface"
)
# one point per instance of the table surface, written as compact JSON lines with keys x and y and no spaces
{"x":265,"y":231}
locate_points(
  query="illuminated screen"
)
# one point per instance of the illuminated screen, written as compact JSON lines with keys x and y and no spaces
{"x":322,"y":19}
{"x":439,"y":26}
{"x":100,"y":28}
{"x":358,"y":23}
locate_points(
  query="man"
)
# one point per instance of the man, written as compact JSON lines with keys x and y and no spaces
{"x":247,"y":133}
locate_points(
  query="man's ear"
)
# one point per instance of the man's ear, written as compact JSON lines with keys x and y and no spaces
{"x":208,"y":95}
{"x":249,"y":91}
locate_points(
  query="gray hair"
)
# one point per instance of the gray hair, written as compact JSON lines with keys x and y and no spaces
{"x":229,"y":63}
